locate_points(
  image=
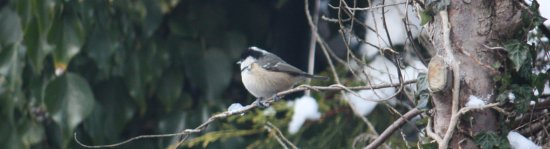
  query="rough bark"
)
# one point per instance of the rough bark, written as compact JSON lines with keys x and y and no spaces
{"x":473,"y":24}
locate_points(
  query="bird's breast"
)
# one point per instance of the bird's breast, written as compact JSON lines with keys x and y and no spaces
{"x":264,"y":83}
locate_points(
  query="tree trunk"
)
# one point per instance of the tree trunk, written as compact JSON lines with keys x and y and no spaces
{"x":473,"y":24}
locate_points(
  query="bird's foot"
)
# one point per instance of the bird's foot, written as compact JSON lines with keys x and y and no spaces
{"x":262,"y":103}
{"x":276,"y":98}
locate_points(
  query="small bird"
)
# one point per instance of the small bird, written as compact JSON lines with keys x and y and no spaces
{"x":265,"y":74}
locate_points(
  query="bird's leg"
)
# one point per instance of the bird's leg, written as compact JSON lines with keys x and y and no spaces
{"x":261,"y":103}
{"x":276,"y":98}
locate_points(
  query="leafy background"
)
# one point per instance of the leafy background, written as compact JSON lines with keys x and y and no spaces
{"x":110,"y":70}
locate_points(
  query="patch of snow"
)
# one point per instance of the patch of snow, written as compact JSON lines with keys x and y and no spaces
{"x":363,"y":107}
{"x":305,"y":108}
{"x":517,"y":141}
{"x":546,"y":88}
{"x":393,"y":15}
{"x":235,"y":107}
{"x":474,"y":102}
{"x":544,"y":9}
{"x":511,"y":96}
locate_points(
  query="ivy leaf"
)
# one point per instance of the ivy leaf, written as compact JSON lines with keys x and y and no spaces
{"x":524,"y":95}
{"x":429,"y":146}
{"x":32,"y":133}
{"x":67,"y":36}
{"x":44,"y":12}
{"x":10,"y":141}
{"x":170,"y":89}
{"x":37,"y":45}
{"x":69,"y":100}
{"x":235,"y":43}
{"x":114,"y":110}
{"x":425,"y":17}
{"x":100,"y":46}
{"x":10,"y":27}
{"x":218,"y":72}
{"x":517,"y":52}
{"x":489,"y":140}
{"x":437,"y":5}
{"x":153,"y":16}
{"x":423,"y":95}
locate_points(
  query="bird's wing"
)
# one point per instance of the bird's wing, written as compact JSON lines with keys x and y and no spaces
{"x":283,"y":67}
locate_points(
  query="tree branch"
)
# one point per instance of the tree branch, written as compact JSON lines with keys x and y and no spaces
{"x":394,"y":126}
{"x":246,"y":108}
{"x":279,"y":135}
{"x":313,"y":25}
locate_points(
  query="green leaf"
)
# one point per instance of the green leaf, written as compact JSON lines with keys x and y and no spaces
{"x":489,"y":140}
{"x":69,"y":100}
{"x":193,"y":61}
{"x":437,"y":5}
{"x":170,"y":89}
{"x":153,"y":17}
{"x":428,"y":146}
{"x":236,"y":43}
{"x":423,"y":95}
{"x":24,"y":9}
{"x":44,"y":12}
{"x":32,"y":133}
{"x":10,"y":138}
{"x":144,"y":66}
{"x":517,"y":52}
{"x":524,"y":95}
{"x":135,"y":80}
{"x":425,"y":17}
{"x":111,"y":114}
{"x":10,"y":27}
{"x":37,"y":46}
{"x":217,"y":66}
{"x":172,"y":122}
{"x":9,"y":59}
{"x":11,"y":69}
{"x":538,"y":81}
{"x":67,"y":37}
{"x":100,"y":46}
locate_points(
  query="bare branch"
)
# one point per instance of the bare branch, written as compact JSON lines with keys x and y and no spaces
{"x":313,"y":38}
{"x":368,"y":8}
{"x":279,"y":135}
{"x":456,"y":81}
{"x":454,"y":113}
{"x":394,"y":126}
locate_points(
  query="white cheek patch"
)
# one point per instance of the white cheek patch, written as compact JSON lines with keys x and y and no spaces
{"x":247,"y":62}
{"x":258,"y":49}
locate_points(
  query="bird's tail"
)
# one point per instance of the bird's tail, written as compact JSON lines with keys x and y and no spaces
{"x":316,"y":77}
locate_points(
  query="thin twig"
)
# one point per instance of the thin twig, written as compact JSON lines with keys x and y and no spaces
{"x":315,"y":18}
{"x":385,"y":25}
{"x":456,"y":75}
{"x":394,"y":126}
{"x":280,"y":134}
{"x":454,"y":108}
{"x":270,"y":130}
{"x":187,"y":131}
{"x":368,"y":8}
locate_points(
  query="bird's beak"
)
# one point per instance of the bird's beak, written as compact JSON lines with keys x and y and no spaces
{"x":239,"y":62}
